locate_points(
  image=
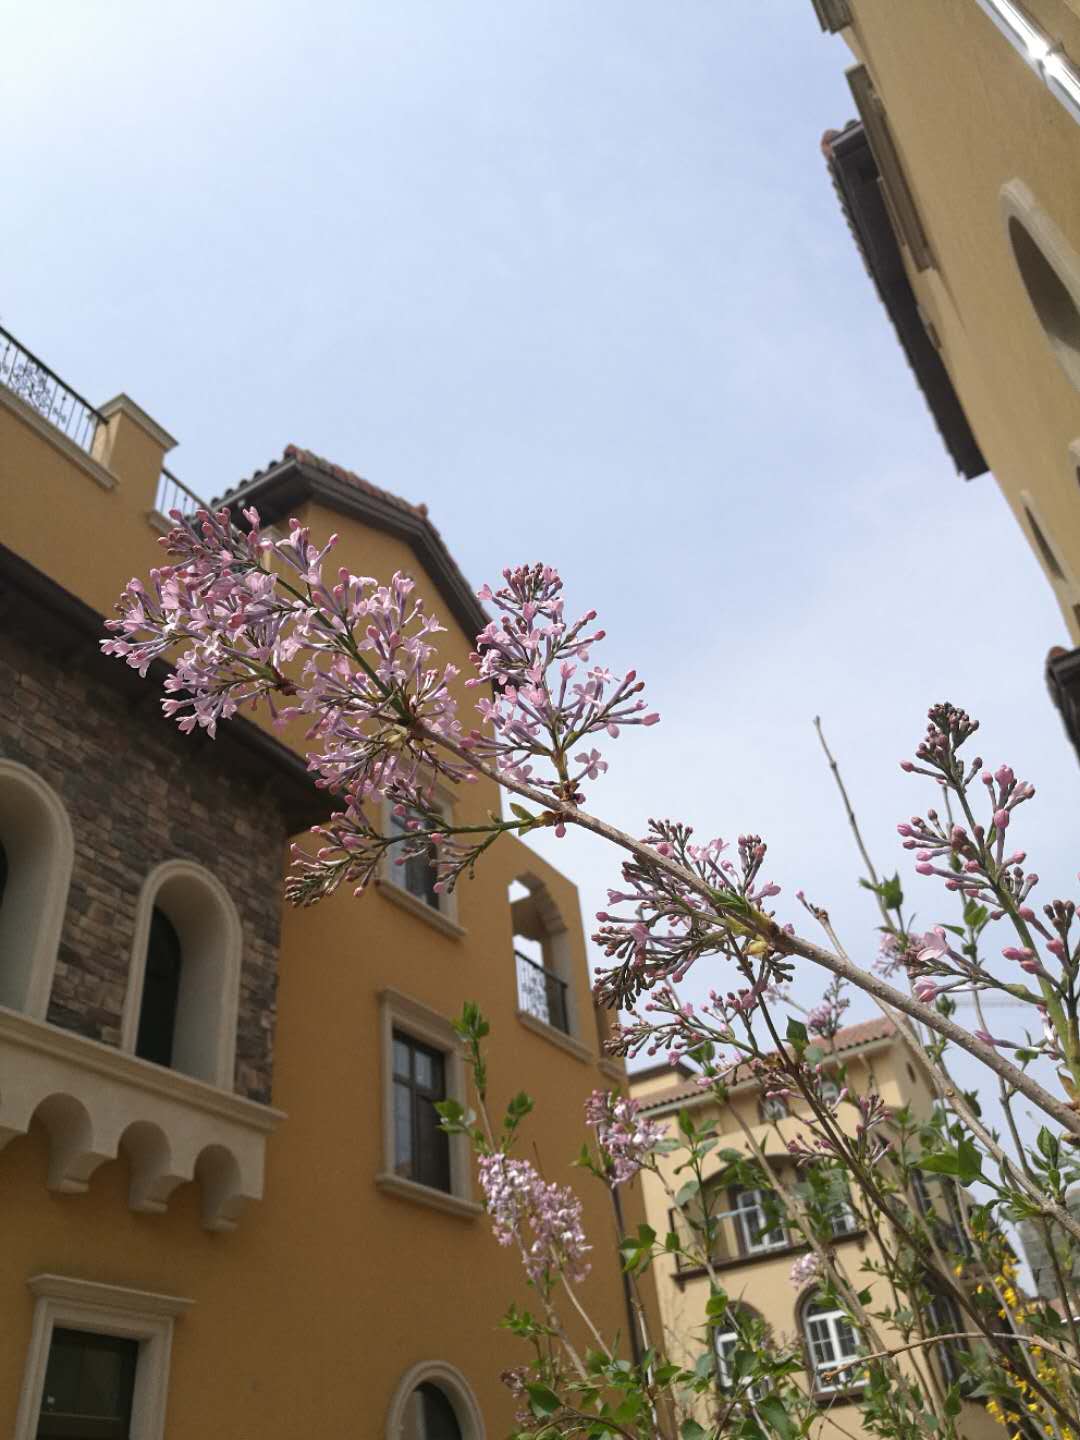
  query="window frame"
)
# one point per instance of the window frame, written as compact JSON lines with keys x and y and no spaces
{"x":208,"y":1007}
{"x":724,"y":1382}
{"x":65,"y":1303}
{"x":813,"y":1309}
{"x":419,"y":1093}
{"x":389,"y":881}
{"x":747,"y":1245}
{"x":36,"y":894}
{"x":449,"y":1379}
{"x":773,"y":1108}
{"x":431,"y":1029}
{"x":64,"y":1424}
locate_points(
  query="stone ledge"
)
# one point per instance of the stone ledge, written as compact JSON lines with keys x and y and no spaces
{"x":435,"y":918}
{"x":425,"y":1195}
{"x":95,"y":1101}
{"x":557,"y":1037}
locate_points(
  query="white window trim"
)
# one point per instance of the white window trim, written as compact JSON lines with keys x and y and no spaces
{"x":775,"y":1238}
{"x":724,"y":1380}
{"x":401,"y":1012}
{"x":35,"y":916}
{"x":219,"y":1068}
{"x":832,"y":1320}
{"x":454,"y":1386}
{"x":389,"y":881}
{"x":102,"y":1310}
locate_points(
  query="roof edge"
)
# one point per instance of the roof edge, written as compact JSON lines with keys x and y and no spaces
{"x":300,"y":476}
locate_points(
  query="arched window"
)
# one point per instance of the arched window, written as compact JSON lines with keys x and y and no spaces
{"x":831,"y":1339}
{"x":434,"y":1402}
{"x":37,"y":849}
{"x":740,"y":1335}
{"x":1050,"y":272}
{"x":541,"y":955}
{"x":433,"y":1415}
{"x":184,"y":987}
{"x":161,"y":991}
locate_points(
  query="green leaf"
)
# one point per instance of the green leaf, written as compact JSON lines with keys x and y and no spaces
{"x":1048,"y":1146}
{"x":543,"y":1401}
{"x":892,"y":894}
{"x":797,"y":1034}
{"x":687,"y":1193}
{"x":775,"y":1413}
{"x":691,"y":1430}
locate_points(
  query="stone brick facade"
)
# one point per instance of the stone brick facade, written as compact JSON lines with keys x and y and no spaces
{"x":139,"y":793}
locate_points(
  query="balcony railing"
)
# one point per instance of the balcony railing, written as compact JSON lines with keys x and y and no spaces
{"x":173,"y":494}
{"x":36,"y":385}
{"x":542,"y":993}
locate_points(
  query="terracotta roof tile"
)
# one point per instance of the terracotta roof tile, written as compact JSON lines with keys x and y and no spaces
{"x":847,"y":1039}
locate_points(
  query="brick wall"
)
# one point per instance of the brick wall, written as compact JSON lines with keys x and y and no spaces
{"x":138,"y":793}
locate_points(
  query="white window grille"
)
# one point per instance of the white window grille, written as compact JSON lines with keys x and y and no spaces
{"x":832,"y":1340}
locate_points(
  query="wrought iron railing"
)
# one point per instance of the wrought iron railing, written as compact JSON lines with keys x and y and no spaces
{"x":173,"y":494}
{"x":542,"y":993}
{"x":36,"y":385}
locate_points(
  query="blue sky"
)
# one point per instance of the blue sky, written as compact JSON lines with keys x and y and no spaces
{"x":574,"y":275}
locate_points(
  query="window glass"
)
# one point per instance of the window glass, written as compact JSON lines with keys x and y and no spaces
{"x":421,"y":1149}
{"x":89,"y":1384}
{"x":774,"y":1107}
{"x":161,"y":989}
{"x":829,"y":1091}
{"x":417,"y":874}
{"x":439,"y":1420}
{"x":761,"y":1227}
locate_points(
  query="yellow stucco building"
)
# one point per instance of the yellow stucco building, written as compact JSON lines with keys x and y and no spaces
{"x":959,"y":183}
{"x":226,"y":1208}
{"x":753,"y":1253}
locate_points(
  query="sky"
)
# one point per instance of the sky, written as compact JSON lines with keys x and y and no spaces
{"x":574,"y":275}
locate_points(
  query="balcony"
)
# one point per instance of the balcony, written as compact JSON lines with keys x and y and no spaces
{"x":542,"y":994}
{"x":85,"y":433}
{"x":42,"y":390}
{"x":97,"y":1102}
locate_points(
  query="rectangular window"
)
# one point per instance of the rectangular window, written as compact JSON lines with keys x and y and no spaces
{"x":421,"y":1149}
{"x":89,"y":1387}
{"x":760,"y":1227}
{"x":416,"y":875}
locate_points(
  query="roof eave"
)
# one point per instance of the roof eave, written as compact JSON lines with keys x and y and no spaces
{"x":293,"y":481}
{"x":741,"y":1087}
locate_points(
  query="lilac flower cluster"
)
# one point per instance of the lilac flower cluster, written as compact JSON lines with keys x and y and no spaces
{"x":625,"y":1138}
{"x":543,"y":1218}
{"x":255,"y":620}
{"x":670,"y":923}
{"x":545,"y":701}
{"x":805,"y":1269}
{"x":827,"y":1017}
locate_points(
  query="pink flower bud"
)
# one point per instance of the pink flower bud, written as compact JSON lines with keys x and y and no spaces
{"x":1001,"y":820}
